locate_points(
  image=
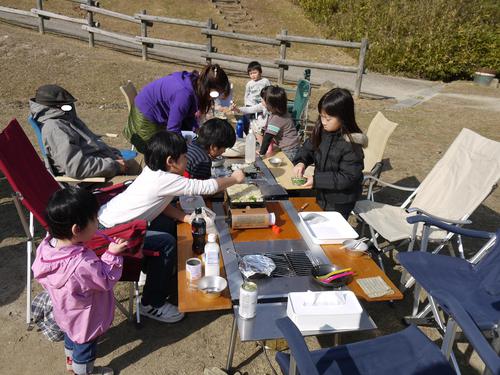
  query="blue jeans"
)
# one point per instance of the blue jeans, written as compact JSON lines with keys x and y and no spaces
{"x":83,"y":355}
{"x":161,"y":280}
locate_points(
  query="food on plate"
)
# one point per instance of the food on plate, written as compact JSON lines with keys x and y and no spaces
{"x":242,"y":193}
{"x":299,"y":180}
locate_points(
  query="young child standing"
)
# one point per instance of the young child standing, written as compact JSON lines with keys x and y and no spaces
{"x":336,"y":149}
{"x":80,"y":284}
{"x":255,"y":85}
{"x":279,"y":127}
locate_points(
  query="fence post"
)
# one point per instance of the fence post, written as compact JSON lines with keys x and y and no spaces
{"x":39,"y":5}
{"x":144,"y":33}
{"x":283,"y":44}
{"x":210,"y":26}
{"x":361,"y":67}
{"x":90,"y":22}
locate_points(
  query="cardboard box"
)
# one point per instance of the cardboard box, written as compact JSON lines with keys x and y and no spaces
{"x":329,"y":310}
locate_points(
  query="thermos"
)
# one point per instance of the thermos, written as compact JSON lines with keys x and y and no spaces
{"x":240,"y":127}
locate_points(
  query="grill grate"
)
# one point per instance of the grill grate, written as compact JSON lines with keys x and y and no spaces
{"x":291,"y":264}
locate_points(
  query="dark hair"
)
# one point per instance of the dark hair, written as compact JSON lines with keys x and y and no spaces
{"x":67,"y":207}
{"x":217,"y":132}
{"x":162,"y":145}
{"x":212,"y":77}
{"x":254,"y":65}
{"x":275,"y":98}
{"x":336,"y":103}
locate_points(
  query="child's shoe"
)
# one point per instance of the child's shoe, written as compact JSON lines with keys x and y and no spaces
{"x":69,"y":364}
{"x":167,"y":313}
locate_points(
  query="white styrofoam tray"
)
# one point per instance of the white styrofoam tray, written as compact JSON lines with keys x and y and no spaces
{"x":334,"y":230}
{"x":328,"y":310}
{"x":190,"y":203}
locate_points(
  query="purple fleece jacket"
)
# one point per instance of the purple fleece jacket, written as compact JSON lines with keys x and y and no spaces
{"x":170,"y":101}
{"x":80,"y":286}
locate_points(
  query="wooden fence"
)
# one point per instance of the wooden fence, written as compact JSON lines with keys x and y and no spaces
{"x":210,"y":30}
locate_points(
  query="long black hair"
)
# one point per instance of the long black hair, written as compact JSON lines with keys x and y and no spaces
{"x":212,"y":77}
{"x":275,"y":98}
{"x":340,"y":104}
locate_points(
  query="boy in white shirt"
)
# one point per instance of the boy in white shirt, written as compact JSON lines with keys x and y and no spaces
{"x":148,"y":198}
{"x":255,"y":85}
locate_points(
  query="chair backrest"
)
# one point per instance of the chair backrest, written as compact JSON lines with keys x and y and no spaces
{"x":378,"y":133}
{"x":130,"y":92}
{"x":462,"y":179}
{"x":302,"y":94}
{"x":25,"y":171}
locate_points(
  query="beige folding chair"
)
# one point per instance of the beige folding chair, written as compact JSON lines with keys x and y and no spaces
{"x":378,"y":134}
{"x":129,"y":92}
{"x":466,"y":174}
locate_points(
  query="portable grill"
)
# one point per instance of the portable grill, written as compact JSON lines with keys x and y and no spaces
{"x":291,"y":264}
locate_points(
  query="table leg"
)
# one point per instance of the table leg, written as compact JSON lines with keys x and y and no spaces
{"x":232,"y":344}
{"x":336,"y":339}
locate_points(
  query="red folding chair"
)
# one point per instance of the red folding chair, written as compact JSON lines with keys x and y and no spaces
{"x":33,"y":185}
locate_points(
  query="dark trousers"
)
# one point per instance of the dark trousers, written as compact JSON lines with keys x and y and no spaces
{"x":161,"y":280}
{"x":344,"y":208}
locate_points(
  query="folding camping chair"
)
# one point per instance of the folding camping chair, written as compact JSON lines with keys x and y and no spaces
{"x":466,"y":174}
{"x":129,"y":92}
{"x":37,"y":128}
{"x":298,"y":107}
{"x":378,"y":134}
{"x":476,"y":282}
{"x":406,"y":352}
{"x":33,"y":185}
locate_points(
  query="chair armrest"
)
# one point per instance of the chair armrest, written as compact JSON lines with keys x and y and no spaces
{"x":437,"y":218}
{"x":70,"y":179}
{"x":470,"y":329}
{"x":383,"y":183}
{"x":448,"y":227}
{"x":297,"y":346}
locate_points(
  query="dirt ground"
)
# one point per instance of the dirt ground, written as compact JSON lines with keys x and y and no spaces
{"x":200,"y":341}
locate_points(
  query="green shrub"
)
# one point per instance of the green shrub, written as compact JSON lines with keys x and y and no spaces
{"x":433,"y":39}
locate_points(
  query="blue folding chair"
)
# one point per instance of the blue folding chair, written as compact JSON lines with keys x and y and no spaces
{"x":126,"y":154}
{"x":407,"y":352}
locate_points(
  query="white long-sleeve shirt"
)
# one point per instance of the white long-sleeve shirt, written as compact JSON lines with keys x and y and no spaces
{"x":149,"y":195}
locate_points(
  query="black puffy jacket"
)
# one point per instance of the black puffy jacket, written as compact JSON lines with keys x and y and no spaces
{"x":338,"y":173}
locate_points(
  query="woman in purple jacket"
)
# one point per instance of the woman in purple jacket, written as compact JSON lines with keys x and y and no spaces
{"x":174,"y":102}
{"x":80,"y":284}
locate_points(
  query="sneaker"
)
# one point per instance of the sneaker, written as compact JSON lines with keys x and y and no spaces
{"x":167,"y":313}
{"x":101,"y":370}
{"x":69,"y":364}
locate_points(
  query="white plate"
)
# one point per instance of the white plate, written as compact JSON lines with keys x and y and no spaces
{"x":331,"y":229}
{"x":190,"y":203}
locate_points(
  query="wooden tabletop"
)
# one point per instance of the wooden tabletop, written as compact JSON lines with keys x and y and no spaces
{"x":284,"y":173}
{"x":363,"y":266}
{"x":190,"y":299}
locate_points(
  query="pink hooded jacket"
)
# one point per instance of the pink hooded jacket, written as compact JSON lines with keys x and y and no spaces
{"x":80,"y":286}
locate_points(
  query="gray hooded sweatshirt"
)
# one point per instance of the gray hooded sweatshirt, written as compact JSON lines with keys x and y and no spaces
{"x":72,"y":149}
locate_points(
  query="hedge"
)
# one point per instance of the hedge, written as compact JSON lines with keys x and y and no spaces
{"x":432,"y":39}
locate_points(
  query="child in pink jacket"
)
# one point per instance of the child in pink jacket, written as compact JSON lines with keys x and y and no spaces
{"x":80,"y":284}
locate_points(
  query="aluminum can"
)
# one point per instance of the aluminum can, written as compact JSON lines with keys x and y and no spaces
{"x":248,"y":300}
{"x":193,"y":269}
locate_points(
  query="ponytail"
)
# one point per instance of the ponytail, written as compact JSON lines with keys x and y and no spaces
{"x":212,"y":77}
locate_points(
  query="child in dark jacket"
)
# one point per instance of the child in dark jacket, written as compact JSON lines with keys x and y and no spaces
{"x":336,"y":150}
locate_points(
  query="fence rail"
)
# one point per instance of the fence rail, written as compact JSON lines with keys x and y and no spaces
{"x":210,"y":30}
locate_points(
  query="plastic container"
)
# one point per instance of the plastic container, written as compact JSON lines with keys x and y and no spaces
{"x":250,"y":147}
{"x":198,"y":230}
{"x":212,"y":252}
{"x":240,"y":127}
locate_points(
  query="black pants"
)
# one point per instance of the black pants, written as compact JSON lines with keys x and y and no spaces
{"x":343,"y":208}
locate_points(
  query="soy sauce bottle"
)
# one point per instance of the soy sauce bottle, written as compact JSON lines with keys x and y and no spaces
{"x":198,"y":230}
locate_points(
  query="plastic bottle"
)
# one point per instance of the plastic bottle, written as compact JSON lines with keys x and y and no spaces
{"x":240,"y":127}
{"x":198,"y":230}
{"x":250,"y":147}
{"x":212,"y":256}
